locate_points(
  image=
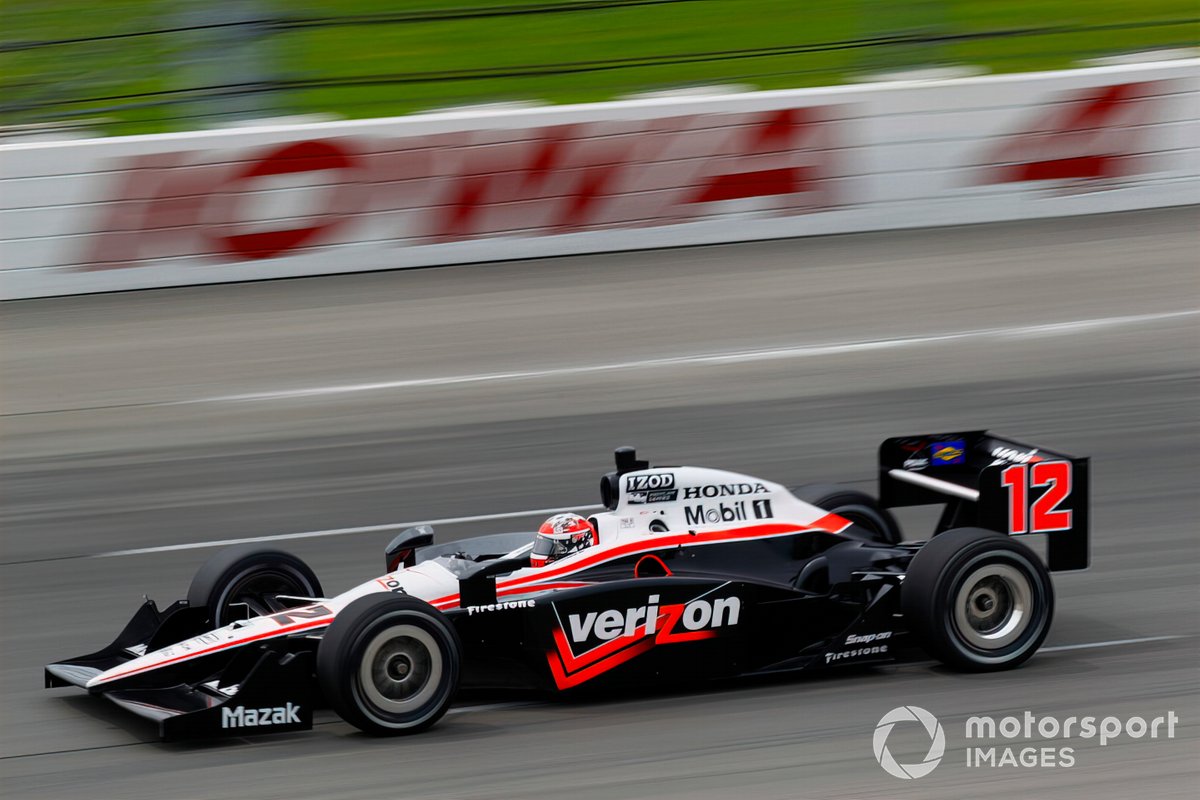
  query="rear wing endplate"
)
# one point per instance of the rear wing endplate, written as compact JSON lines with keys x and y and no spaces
{"x":993,"y":482}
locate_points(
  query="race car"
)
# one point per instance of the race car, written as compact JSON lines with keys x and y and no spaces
{"x":692,"y":574}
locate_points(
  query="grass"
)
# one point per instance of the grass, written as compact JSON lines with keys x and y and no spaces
{"x":70,"y":81}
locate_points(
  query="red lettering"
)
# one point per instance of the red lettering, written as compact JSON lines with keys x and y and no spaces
{"x":460,"y":186}
{"x":668,"y":635}
{"x":1045,"y":515}
{"x":340,"y":202}
{"x":553,"y":183}
{"x":125,"y":219}
{"x":1089,"y":135}
{"x":778,"y":137}
{"x":1014,"y":479}
{"x":166,"y":208}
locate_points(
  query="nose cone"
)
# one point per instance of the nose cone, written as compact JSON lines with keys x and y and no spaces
{"x":221,"y":640}
{"x":135,"y":667}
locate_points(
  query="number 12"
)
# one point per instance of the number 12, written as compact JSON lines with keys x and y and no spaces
{"x":1044,"y":515}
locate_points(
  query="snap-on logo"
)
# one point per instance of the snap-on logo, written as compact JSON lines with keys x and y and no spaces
{"x":867,"y":638}
{"x":242,"y":717}
{"x":723,"y":490}
{"x":653,"y":480}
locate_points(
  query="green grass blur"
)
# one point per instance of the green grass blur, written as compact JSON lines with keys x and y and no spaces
{"x":110,"y":83}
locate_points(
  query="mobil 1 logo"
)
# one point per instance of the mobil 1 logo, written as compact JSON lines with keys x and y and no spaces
{"x":738,"y":511}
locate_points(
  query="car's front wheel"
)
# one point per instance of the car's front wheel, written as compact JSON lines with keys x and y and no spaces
{"x":389,"y":664}
{"x":245,"y":580}
{"x":978,"y":600}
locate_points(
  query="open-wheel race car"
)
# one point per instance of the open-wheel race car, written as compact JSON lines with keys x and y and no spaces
{"x":689,"y":574}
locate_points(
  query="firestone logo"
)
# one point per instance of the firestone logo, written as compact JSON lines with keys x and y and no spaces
{"x":937,"y":742}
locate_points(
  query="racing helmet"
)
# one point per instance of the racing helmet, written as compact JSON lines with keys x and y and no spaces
{"x":560,"y":536}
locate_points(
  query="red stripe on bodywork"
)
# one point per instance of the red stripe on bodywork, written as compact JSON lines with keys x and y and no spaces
{"x":565,"y":681}
{"x":269,"y":635}
{"x":830,"y":522}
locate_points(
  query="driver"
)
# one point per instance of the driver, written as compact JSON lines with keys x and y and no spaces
{"x":560,"y":536}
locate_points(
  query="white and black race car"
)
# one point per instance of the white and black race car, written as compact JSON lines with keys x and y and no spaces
{"x":696,"y":574}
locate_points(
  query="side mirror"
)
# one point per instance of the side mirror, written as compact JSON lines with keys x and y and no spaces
{"x":479,"y":588}
{"x":403,"y":549}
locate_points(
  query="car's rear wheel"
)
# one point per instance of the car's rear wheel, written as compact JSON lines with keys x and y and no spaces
{"x":859,"y":507}
{"x":389,"y":664}
{"x":978,"y":600}
{"x":245,"y":580}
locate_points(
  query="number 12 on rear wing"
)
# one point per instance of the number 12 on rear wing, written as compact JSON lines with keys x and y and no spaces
{"x":993,"y":482}
{"x":1049,"y":497}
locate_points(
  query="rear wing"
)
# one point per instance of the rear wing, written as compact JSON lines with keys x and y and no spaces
{"x":988,"y":481}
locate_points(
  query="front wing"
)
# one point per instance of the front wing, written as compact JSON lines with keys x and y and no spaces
{"x":263,"y":689}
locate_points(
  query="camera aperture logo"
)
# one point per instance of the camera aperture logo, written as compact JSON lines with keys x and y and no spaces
{"x":1028,"y":741}
{"x":937,"y":742}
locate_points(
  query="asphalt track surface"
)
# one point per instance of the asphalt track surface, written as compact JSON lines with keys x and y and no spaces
{"x":178,"y":417}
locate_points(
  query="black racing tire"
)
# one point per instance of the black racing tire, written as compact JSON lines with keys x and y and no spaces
{"x":372,"y":651}
{"x":859,"y":507}
{"x":249,"y":574}
{"x":977,"y":600}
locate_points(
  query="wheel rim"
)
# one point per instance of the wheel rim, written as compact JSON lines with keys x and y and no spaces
{"x":257,"y":589}
{"x":401,"y":669}
{"x":993,"y":606}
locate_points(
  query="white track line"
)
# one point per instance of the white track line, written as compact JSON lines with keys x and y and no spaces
{"x":1110,"y":643}
{"x":701,"y":359}
{"x":394,"y":526}
{"x":493,"y":706}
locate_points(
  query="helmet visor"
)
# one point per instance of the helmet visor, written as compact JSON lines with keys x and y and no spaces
{"x":552,"y":549}
{"x":549,"y":548}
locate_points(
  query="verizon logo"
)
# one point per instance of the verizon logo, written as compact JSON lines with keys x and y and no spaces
{"x":242,"y":717}
{"x":611,"y":638}
{"x":644,"y":620}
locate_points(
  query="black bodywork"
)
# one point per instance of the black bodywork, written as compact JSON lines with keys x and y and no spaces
{"x":806,"y":601}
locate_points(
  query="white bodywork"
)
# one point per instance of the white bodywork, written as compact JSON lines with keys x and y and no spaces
{"x":663,"y":506}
